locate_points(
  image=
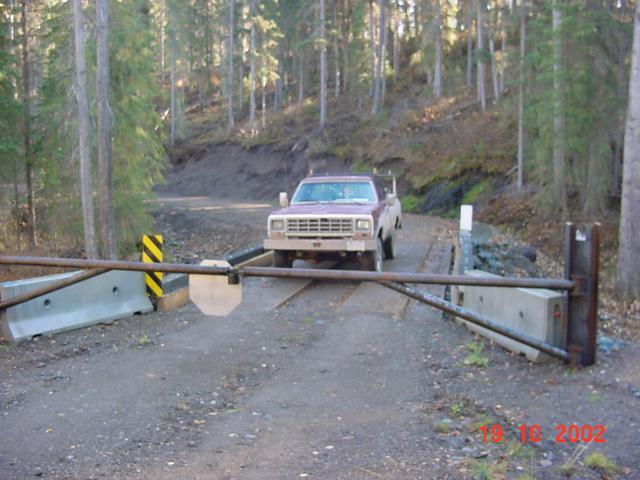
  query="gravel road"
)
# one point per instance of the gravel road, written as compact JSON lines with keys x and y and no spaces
{"x":343,"y":381}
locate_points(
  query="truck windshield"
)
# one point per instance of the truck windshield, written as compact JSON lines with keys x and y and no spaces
{"x":335,"y":192}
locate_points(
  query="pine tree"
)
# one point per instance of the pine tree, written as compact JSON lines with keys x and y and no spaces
{"x":628,"y":281}
{"x":84,"y":146}
{"x":105,"y":167}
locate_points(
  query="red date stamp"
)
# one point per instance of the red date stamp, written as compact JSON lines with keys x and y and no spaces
{"x":573,"y":433}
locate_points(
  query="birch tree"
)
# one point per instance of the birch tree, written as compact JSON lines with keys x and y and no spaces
{"x":372,"y":47}
{"x":336,"y":50}
{"x":479,"y":52}
{"x":559,"y":186}
{"x":494,"y":70}
{"x":230,"y":67}
{"x":323,"y":66}
{"x":520,"y":179}
{"x":437,"y":74}
{"x":379,"y":71}
{"x":27,"y":139}
{"x":252,"y":67}
{"x":628,"y":280}
{"x":84,"y":146}
{"x":105,"y":166}
{"x":469,"y":27}
{"x":172,"y":93}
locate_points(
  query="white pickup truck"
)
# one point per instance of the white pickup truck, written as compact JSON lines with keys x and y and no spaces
{"x":337,"y":217}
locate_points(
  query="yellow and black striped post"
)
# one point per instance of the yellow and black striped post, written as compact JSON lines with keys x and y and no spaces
{"x":152,"y":253}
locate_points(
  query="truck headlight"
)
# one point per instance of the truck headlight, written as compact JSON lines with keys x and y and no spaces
{"x":363,"y":225}
{"x":277,"y":225}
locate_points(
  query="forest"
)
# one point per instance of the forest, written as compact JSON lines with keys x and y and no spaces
{"x":95,"y":95}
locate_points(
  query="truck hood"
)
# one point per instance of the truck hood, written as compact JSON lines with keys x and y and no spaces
{"x":328,"y":209}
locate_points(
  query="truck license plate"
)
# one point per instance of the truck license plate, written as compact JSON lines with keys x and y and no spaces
{"x":355,"y":246}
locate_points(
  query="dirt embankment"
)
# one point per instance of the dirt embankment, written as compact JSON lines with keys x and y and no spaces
{"x":231,"y":171}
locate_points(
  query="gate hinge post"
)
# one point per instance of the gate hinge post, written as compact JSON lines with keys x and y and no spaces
{"x":582,"y":251}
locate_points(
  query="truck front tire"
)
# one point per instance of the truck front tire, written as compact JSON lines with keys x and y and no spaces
{"x":373,"y":260}
{"x":390,"y":247}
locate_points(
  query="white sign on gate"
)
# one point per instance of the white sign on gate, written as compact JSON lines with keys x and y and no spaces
{"x":213,"y":294}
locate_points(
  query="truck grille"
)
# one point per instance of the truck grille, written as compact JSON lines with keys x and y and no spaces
{"x":319,"y":226}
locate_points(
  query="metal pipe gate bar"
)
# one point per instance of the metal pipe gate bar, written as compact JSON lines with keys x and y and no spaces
{"x":319,"y":274}
{"x":422,"y":278}
{"x":79,"y":277}
{"x":481,"y":320}
{"x":114,"y":265}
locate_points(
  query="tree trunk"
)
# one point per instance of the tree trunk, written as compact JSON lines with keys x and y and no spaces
{"x":377,"y":79}
{"x":241,"y":79}
{"x":264,"y":102}
{"x":105,"y":165}
{"x":323,"y":66}
{"x":520,"y":181}
{"x":345,"y":44}
{"x":479,"y":48}
{"x":383,"y":77}
{"x":230,"y":69}
{"x":28,"y":150}
{"x":437,"y":75}
{"x":407,"y":17}
{"x":494,"y":70}
{"x":301,"y":76}
{"x":161,"y":34}
{"x":559,"y":186}
{"x":84,"y":146}
{"x":279,"y":92}
{"x":396,"y":50}
{"x":16,"y":189}
{"x":469,"y":46}
{"x":628,"y":281}
{"x":372,"y":48}
{"x":252,"y":69}
{"x":336,"y":50}
{"x":503,"y":53}
{"x":172,"y":128}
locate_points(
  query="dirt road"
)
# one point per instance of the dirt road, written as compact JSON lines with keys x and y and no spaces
{"x":343,"y":381}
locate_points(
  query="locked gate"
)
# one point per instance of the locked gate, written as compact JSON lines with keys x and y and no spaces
{"x":581,"y":245}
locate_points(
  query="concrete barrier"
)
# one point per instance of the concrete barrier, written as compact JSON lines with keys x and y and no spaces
{"x":102,"y":299}
{"x":536,"y":312}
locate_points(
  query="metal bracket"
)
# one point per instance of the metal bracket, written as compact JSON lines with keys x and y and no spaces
{"x":233,"y":278}
{"x":581,"y":287}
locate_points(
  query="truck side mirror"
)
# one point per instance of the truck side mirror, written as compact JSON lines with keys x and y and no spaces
{"x":284,"y":200}
{"x":390,"y":199}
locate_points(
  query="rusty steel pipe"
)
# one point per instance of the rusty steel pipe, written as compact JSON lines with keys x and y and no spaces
{"x":481,"y":320}
{"x":114,"y":265}
{"x":25,"y":297}
{"x":317,"y":274}
{"x":357,"y":275}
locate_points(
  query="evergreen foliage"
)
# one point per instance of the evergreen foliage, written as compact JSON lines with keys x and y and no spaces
{"x":170,"y":56}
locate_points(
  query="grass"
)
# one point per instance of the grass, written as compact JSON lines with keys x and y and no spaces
{"x":484,"y":470}
{"x":476,"y":191}
{"x":594,"y":397}
{"x":517,"y":450}
{"x":475,"y":356}
{"x":480,"y":421}
{"x":410,"y":203}
{"x":143,"y":340}
{"x":442,"y":427}
{"x":456,"y":409}
{"x":601,"y":463}
{"x":5,"y":346}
